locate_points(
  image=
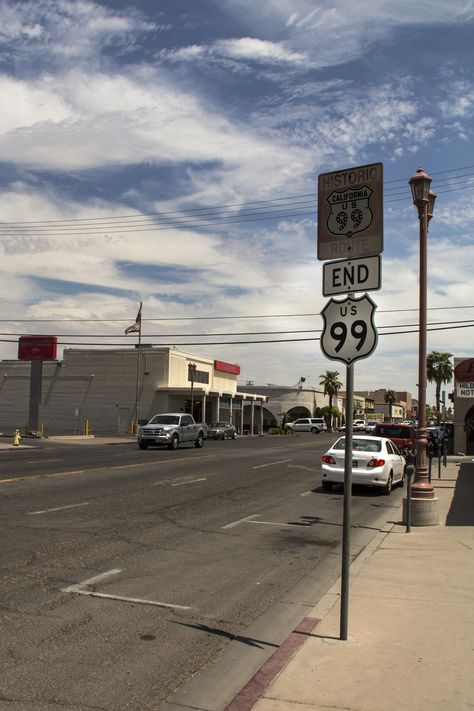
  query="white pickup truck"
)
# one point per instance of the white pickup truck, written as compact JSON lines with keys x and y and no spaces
{"x":170,"y":430}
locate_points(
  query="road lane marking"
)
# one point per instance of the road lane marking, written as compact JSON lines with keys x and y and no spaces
{"x":300,"y":466}
{"x":58,"y":508}
{"x":92,"y":581}
{"x":80,"y":589}
{"x":191,"y":481}
{"x":135,"y":600}
{"x":241,"y":520}
{"x":273,"y":523}
{"x":26,"y":477}
{"x":283,"y":461}
{"x":45,"y":461}
{"x":307,"y":493}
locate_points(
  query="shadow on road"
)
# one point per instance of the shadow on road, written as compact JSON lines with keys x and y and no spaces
{"x":461,"y":512}
{"x":222,"y":633}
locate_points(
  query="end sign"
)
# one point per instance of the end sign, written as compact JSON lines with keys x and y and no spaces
{"x":348,"y":275}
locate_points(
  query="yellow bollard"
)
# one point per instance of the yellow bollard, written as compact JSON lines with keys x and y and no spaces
{"x":16,"y":438}
{"x":86,"y":426}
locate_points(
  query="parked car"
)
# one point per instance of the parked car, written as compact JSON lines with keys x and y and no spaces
{"x":403,"y":436}
{"x":221,"y":430}
{"x":376,"y":461}
{"x":357,"y":426}
{"x":170,"y":429}
{"x":370,"y":426}
{"x":307,"y":424}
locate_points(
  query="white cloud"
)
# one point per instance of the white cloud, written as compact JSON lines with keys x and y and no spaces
{"x":337,"y":31}
{"x":250,"y":48}
{"x":67,"y":31}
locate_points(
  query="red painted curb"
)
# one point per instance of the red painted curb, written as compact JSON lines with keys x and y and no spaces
{"x":254,"y":689}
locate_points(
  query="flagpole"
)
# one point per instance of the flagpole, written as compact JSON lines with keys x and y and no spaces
{"x":138,"y":377}
{"x":137,"y":326}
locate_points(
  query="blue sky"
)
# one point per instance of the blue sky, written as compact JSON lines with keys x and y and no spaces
{"x":145,"y":146}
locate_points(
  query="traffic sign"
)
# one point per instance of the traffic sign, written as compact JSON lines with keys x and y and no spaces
{"x":350,"y":212}
{"x":348,"y":275}
{"x":349,"y":332}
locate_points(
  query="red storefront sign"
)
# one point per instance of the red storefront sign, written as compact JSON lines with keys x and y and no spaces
{"x":223,"y":367}
{"x":37,"y":348}
{"x":464,"y":371}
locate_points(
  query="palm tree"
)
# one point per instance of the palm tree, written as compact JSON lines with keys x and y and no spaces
{"x":332,"y":384}
{"x":439,"y":371}
{"x":390,"y":397}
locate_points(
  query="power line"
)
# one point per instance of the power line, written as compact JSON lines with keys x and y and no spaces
{"x":240,"y":343}
{"x":235,"y":333}
{"x":204,"y":217}
{"x":211,"y":318}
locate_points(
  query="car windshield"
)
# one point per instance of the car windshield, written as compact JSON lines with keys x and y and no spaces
{"x":360,"y":445}
{"x":219,"y":424}
{"x":164,"y":420}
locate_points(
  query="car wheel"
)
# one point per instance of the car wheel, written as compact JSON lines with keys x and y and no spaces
{"x":199,"y":442}
{"x":387,"y":490}
{"x":314,"y":430}
{"x":143,"y":445}
{"x":327,"y":486}
{"x":174,"y":443}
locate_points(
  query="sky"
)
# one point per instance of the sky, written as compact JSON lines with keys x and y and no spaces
{"x":168,"y":152}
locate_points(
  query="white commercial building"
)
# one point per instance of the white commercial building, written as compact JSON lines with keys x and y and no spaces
{"x":100,"y":389}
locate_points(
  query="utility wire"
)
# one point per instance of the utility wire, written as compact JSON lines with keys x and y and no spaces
{"x":203,"y":217}
{"x":211,"y":318}
{"x":240,"y":343}
{"x":236,"y":333}
{"x":221,"y":207}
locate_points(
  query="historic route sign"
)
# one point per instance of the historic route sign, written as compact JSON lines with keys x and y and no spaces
{"x":350,"y":212}
{"x":349,"y":332}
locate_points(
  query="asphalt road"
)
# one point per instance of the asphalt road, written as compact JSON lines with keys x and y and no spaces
{"x":183,"y":551}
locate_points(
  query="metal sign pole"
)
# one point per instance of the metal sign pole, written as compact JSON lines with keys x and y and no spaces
{"x":346,"y":520}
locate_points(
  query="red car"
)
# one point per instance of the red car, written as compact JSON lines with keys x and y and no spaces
{"x":403,"y":436}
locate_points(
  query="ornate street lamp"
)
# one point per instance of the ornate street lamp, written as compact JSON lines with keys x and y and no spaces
{"x":423,"y":199}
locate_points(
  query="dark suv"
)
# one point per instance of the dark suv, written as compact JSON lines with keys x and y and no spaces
{"x":403,"y":436}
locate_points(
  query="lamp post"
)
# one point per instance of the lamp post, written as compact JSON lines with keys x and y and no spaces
{"x":422,"y":490}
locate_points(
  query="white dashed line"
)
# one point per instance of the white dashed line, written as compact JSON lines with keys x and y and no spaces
{"x":136,"y":600}
{"x":45,"y":461}
{"x":79,"y":589}
{"x":260,"y":466}
{"x":241,"y":520}
{"x":92,"y":581}
{"x":58,"y":508}
{"x":191,"y":481}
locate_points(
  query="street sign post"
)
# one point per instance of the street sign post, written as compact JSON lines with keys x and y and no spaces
{"x":349,"y":332}
{"x":349,"y":275}
{"x":350,"y":230}
{"x":350,"y":212}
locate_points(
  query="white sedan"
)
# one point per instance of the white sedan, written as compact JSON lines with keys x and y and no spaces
{"x":376,"y":461}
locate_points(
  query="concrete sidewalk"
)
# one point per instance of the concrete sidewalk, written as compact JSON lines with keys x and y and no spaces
{"x":26,"y":442}
{"x":411,"y":623}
